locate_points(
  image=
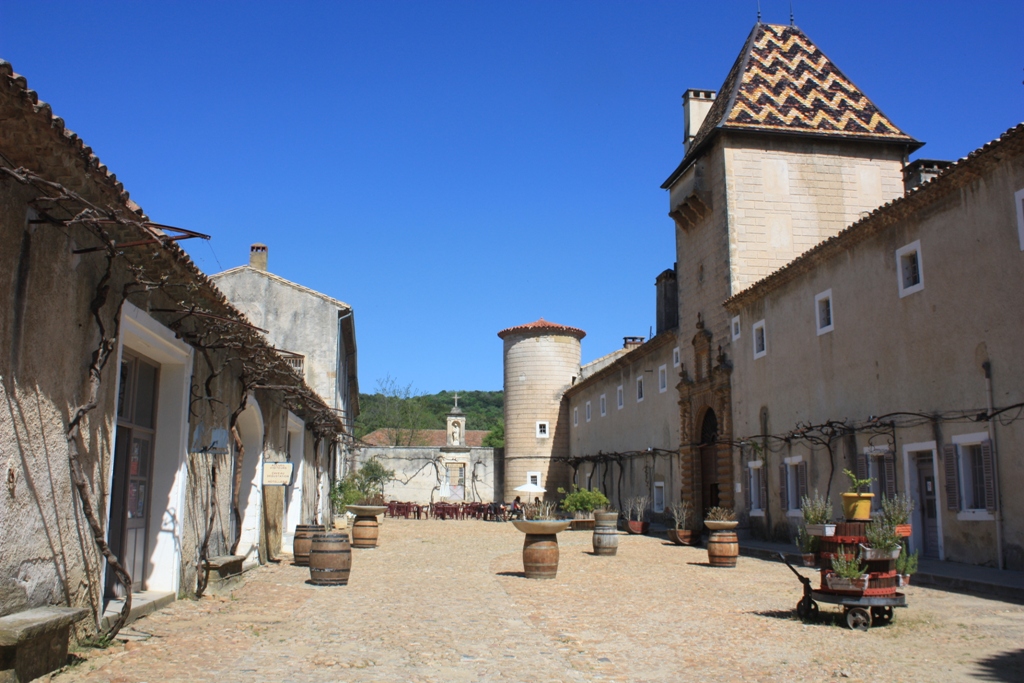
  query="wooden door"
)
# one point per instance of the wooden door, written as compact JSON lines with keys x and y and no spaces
{"x":929,"y":508}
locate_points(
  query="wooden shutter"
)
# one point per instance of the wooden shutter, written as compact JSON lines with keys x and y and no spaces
{"x":801,"y":483}
{"x":750,"y":488}
{"x":988,"y":465}
{"x":889,"y":467}
{"x":763,"y":480}
{"x":782,"y":488}
{"x":952,"y":485}
{"x":862,"y":466}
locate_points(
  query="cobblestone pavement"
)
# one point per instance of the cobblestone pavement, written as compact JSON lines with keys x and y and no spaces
{"x":446,"y":601}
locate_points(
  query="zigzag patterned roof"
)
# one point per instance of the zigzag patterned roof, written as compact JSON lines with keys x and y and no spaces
{"x":781,"y":82}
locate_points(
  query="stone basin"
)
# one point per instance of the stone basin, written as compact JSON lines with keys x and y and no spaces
{"x":542,"y":526}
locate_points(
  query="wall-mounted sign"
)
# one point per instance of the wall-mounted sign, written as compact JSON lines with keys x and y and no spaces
{"x":277,"y":473}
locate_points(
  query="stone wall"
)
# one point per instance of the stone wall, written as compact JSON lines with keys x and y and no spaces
{"x":420,"y":472}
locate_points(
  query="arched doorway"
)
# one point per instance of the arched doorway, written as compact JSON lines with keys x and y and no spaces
{"x":250,"y":499}
{"x":709,"y":461}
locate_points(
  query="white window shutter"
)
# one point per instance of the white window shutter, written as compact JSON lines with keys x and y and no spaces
{"x":988,"y":466}
{"x":952,"y":485}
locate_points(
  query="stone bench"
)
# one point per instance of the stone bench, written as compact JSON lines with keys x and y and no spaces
{"x":35,"y":642}
{"x":223,"y":573}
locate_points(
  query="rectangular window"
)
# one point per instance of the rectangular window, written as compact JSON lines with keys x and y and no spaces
{"x":760,"y":341}
{"x":575,"y":416}
{"x":793,"y":484}
{"x":879,"y":465}
{"x":757,"y":493}
{"x":976,"y":469}
{"x":604,"y":406}
{"x":659,"y":496}
{"x":909,"y":268}
{"x":639,"y":388}
{"x":586,"y":411}
{"x":823,"y":307}
{"x":735,"y":328}
{"x":662,"y":379}
{"x":533,"y":478}
{"x":542,"y":430}
{"x":618,"y":396}
{"x":675,"y":357}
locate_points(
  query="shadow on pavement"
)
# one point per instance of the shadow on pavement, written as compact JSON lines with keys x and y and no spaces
{"x":1005,"y":666}
{"x":518,"y":575}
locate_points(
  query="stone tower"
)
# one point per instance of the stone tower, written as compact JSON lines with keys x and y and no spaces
{"x":541,"y":360}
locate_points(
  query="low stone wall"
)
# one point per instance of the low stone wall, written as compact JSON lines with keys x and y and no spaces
{"x":420,"y":472}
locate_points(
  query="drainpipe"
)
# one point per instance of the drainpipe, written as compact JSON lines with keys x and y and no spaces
{"x":987,"y":367}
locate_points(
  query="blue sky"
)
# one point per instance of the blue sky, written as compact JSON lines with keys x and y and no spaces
{"x":454,"y":168}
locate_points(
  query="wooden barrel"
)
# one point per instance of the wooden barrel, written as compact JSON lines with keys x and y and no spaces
{"x":606,"y":535}
{"x":723,"y":549}
{"x":364,"y":532}
{"x":303,"y":538}
{"x":330,"y":559}
{"x":540,"y":556}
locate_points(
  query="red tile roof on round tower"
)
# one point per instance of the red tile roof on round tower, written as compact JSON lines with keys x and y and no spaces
{"x":543,"y":324}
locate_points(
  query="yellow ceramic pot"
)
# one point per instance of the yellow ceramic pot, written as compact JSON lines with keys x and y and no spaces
{"x":857,"y":506}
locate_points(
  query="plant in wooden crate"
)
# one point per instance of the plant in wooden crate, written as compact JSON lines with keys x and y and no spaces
{"x":817,"y":515}
{"x":808,"y":545}
{"x":581,"y":503}
{"x":896,"y":511}
{"x":848,"y":573}
{"x":906,"y":564}
{"x":883,"y":543}
{"x":681,"y":513}
{"x":637,"y":508}
{"x":857,"y":501}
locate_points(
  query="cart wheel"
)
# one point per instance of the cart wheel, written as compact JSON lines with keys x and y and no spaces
{"x":858,"y":618}
{"x":882,"y":615}
{"x":807,"y":609}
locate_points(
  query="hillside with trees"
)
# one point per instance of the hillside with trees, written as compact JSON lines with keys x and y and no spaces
{"x":400,"y":410}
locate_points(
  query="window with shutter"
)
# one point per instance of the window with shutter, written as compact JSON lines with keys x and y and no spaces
{"x":763,"y":483}
{"x":889,"y":467}
{"x":783,"y":493}
{"x":801,"y":482}
{"x":988,"y":471}
{"x":862,"y":466}
{"x":952,"y":485}
{"x":750,"y":488}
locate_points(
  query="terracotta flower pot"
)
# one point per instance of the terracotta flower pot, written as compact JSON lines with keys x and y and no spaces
{"x":637,"y":528}
{"x":809,"y":559}
{"x":682,"y":536}
{"x":857,"y":506}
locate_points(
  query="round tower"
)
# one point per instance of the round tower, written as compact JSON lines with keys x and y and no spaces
{"x":541,"y":360}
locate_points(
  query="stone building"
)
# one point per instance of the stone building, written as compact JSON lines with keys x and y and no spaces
{"x":893,"y":344}
{"x":541,"y":361}
{"x":140,"y":404}
{"x":316,"y":335}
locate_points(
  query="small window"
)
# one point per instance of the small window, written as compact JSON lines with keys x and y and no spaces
{"x":586,"y":411}
{"x":542,"y":428}
{"x":675,"y":357}
{"x":757,"y":494}
{"x":639,"y":388}
{"x":662,"y":379}
{"x":533,"y":478}
{"x":760,"y":341}
{"x":659,"y":496}
{"x":735,"y":328}
{"x":604,"y":406}
{"x":618,"y":396}
{"x":909,"y":269}
{"x":823,"y":307}
{"x":977,"y":479}
{"x":793,"y":483}
{"x":575,"y":416}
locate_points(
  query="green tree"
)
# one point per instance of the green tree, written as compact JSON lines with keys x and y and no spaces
{"x":396,"y":409}
{"x":496,"y":437}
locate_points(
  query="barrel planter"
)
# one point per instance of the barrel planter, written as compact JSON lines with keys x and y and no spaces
{"x":606,"y":533}
{"x":637,"y":528}
{"x":723,"y":546}
{"x":540,"y":548}
{"x":330,"y":559}
{"x":682,"y":536}
{"x":303,"y":540}
{"x":365,"y":529}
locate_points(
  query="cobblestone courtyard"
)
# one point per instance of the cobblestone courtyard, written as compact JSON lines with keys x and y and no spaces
{"x":446,"y":601}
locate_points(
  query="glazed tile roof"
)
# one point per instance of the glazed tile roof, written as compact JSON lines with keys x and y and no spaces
{"x":542,"y":324}
{"x":781,"y":82}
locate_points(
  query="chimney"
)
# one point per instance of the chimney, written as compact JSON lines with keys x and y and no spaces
{"x":258,"y":256}
{"x":630,"y":343}
{"x":696,"y":105}
{"x":666,"y":315}
{"x":920,"y":171}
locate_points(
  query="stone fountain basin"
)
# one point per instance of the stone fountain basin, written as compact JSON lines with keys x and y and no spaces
{"x":542,"y":526}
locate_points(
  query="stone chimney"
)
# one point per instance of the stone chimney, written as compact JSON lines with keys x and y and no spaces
{"x":630,"y":343}
{"x":696,"y":105}
{"x":920,"y":171}
{"x":258,"y":256}
{"x":666,"y":315}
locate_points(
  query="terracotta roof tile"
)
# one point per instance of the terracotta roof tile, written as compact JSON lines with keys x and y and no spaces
{"x":542,"y":324}
{"x":427,"y":438}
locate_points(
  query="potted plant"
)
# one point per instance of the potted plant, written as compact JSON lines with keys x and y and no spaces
{"x":582,"y":503}
{"x":857,"y":501}
{"x":680,"y":513}
{"x":847,"y":574}
{"x":540,"y":547}
{"x":808,"y":545}
{"x":896,"y":511}
{"x":905,"y":566}
{"x":817,"y":514}
{"x":637,"y":507}
{"x":883,"y":543}
{"x":723,"y":546}
{"x":365,"y":530}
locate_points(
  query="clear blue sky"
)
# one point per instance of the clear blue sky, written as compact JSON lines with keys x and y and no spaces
{"x":454,"y":168}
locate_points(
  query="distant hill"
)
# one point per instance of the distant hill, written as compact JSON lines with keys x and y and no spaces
{"x":484,"y":410}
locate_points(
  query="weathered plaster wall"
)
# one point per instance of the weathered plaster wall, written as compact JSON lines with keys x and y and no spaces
{"x":419,"y":472}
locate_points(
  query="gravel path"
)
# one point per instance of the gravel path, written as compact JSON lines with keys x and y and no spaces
{"x":446,"y":601}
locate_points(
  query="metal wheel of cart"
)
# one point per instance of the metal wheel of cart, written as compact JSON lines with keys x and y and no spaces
{"x":858,"y":618}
